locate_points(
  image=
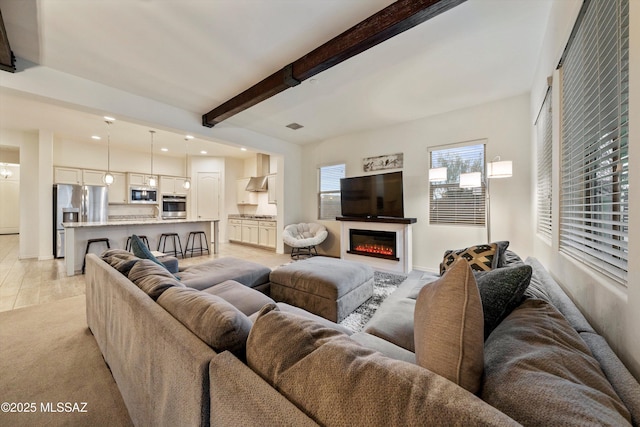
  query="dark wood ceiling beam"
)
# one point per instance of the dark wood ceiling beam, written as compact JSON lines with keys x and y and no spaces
{"x":389,"y":22}
{"x":7,"y":59}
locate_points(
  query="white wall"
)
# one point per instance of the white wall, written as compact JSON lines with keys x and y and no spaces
{"x":504,"y":124}
{"x":612,"y":309}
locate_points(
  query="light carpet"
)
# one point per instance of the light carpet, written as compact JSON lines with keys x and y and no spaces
{"x":51,"y":366}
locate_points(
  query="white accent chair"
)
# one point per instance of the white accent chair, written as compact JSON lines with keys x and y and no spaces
{"x":303,"y":238}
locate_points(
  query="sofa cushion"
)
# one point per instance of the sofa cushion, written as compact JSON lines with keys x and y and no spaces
{"x":449,"y":327}
{"x":245,"y":299}
{"x":152,"y":278}
{"x":120,"y":259}
{"x":540,"y":372}
{"x":216,"y":322}
{"x":206,"y":274}
{"x":501,"y":291}
{"x":479,"y":257}
{"x":336,"y":381}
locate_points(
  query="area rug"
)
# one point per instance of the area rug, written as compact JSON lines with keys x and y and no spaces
{"x":383,"y":285}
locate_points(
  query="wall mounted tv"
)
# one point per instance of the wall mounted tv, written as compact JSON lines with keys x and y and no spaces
{"x":372,"y":196}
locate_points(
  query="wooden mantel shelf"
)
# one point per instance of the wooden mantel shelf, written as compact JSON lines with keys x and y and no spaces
{"x":385,"y":219}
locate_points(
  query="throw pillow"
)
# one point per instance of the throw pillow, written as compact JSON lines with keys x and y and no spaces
{"x":152,"y":278}
{"x":540,"y":372}
{"x":501,"y":290}
{"x":216,"y":322}
{"x":479,"y":257}
{"x":140,"y":250}
{"x":336,"y":381}
{"x":120,"y":259}
{"x":448,"y":327}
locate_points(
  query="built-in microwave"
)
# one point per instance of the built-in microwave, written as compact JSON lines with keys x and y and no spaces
{"x":143,"y":195}
{"x":174,"y":207}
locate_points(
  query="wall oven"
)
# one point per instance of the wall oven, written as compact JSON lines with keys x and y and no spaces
{"x":174,"y":207}
{"x":143,"y":195}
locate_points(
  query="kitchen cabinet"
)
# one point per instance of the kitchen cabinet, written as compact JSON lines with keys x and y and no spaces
{"x":140,"y":179}
{"x":91,"y":177}
{"x":271,"y":189}
{"x":244,"y":197}
{"x":235,"y":230}
{"x":172,"y":185}
{"x":250,"y":231}
{"x":67,"y":176}
{"x":267,"y":234}
{"x":118,"y":193}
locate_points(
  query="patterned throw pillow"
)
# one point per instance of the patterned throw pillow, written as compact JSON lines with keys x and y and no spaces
{"x":479,"y":257}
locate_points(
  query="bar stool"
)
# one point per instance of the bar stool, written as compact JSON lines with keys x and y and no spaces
{"x":89,"y":243}
{"x":192,"y":238}
{"x":144,"y":240}
{"x":163,"y":242}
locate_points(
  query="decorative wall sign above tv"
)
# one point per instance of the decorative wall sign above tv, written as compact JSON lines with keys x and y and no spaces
{"x":389,"y":161}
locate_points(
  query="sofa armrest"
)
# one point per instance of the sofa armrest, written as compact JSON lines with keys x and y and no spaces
{"x":240,"y":397}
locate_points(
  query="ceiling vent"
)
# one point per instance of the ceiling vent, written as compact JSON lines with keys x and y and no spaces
{"x":294,"y":126}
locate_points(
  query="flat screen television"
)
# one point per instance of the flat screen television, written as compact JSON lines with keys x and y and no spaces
{"x":372,"y":196}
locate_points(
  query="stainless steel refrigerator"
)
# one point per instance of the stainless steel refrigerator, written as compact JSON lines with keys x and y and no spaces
{"x":83,"y":203}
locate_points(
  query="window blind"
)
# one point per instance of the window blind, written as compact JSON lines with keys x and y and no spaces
{"x":448,"y":203}
{"x":594,"y":212}
{"x":544,"y":169}
{"x":329,"y":191}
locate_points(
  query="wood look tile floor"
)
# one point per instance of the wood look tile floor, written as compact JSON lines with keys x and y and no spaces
{"x":30,"y":282}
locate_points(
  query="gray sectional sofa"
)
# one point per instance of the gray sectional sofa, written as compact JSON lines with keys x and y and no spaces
{"x":227,"y":354}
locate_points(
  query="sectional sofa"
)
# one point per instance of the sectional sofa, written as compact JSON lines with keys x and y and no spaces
{"x":228,"y":354}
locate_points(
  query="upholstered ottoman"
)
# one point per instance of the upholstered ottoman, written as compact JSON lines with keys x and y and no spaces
{"x":329,"y":287}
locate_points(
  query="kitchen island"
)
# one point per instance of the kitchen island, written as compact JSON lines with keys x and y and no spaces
{"x":78,"y":233}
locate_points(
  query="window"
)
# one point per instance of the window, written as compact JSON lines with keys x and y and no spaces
{"x":543,"y":129}
{"x":450,"y":204}
{"x":594,"y":182}
{"x":329,"y":191}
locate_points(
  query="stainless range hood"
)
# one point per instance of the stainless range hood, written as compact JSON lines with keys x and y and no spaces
{"x":259,"y":182}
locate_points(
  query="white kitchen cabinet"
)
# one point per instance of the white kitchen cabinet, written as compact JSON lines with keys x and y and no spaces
{"x":172,"y":185}
{"x":118,"y":193}
{"x":235,"y":230}
{"x":92,"y":177}
{"x":271,"y":189}
{"x":67,"y":176}
{"x":250,"y":232}
{"x":244,"y":197}
{"x":140,"y":179}
{"x":267,"y":234}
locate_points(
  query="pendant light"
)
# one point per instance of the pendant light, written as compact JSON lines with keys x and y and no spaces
{"x":5,"y":172}
{"x":108,"y":177}
{"x":152,"y":180}
{"x":187,"y":182}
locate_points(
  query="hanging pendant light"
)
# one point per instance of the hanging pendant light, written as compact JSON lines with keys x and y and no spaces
{"x":152,"y":180}
{"x":108,"y":177}
{"x":187,"y":182}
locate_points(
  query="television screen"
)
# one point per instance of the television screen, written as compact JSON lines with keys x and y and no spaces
{"x":372,"y":196}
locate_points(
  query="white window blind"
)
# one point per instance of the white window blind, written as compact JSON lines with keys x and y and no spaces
{"x":594,"y":212}
{"x":544,"y":170}
{"x":450,"y":204}
{"x":329,"y":191}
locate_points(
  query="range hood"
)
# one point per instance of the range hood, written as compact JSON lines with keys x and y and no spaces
{"x":259,"y":182}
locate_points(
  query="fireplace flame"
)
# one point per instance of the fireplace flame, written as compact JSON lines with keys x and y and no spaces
{"x":374,"y":249}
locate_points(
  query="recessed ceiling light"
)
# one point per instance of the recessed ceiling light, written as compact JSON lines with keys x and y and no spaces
{"x":243,"y":149}
{"x":164,"y":149}
{"x":294,"y":126}
{"x":111,"y":119}
{"x":96,"y":137}
{"x":189,"y":137}
{"x":203,"y":152}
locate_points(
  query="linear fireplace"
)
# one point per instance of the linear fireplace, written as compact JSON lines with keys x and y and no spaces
{"x":378,"y":244}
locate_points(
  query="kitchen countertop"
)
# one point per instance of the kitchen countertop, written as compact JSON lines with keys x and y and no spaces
{"x":258,"y":217}
{"x":150,"y":221}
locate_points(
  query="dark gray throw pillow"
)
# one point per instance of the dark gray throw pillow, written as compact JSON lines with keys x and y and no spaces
{"x":501,"y":291}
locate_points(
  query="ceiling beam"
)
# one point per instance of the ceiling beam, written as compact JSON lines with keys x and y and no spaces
{"x":7,"y":59}
{"x":390,"y":21}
